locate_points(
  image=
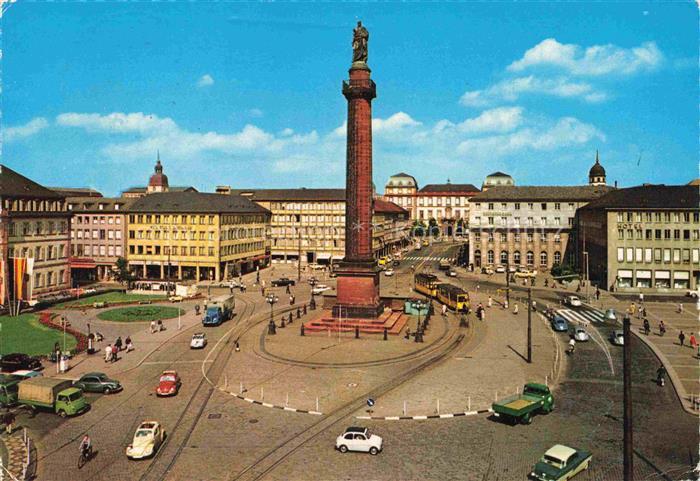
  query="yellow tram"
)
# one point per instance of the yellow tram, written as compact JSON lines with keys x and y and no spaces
{"x":426,"y":284}
{"x":453,"y":297}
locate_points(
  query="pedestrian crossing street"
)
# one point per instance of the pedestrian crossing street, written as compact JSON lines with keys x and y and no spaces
{"x":433,"y":258}
{"x":583,"y":316}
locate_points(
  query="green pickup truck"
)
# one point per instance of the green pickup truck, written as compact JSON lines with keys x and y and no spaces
{"x":9,"y":387}
{"x":561,"y":463}
{"x":536,"y":398}
{"x":57,"y":395}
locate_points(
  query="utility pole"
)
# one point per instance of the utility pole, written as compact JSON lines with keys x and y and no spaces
{"x":508,"y":283}
{"x":529,"y":325}
{"x":627,"y":399}
{"x":299,"y":257}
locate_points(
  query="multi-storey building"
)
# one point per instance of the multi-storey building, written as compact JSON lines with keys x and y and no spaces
{"x":642,"y":239}
{"x":527,"y":225}
{"x":35,"y":227}
{"x":401,"y":189}
{"x":441,"y":208}
{"x":445,"y":207}
{"x":192,"y":235}
{"x":98,"y":236}
{"x":310,"y":223}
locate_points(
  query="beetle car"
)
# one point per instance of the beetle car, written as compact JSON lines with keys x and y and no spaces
{"x":168,"y":384}
{"x":579,"y":334}
{"x":389,"y":272}
{"x":319,"y":289}
{"x":452,"y":273}
{"x":610,"y":315}
{"x":561,"y":463}
{"x":199,"y":340}
{"x":559,"y":324}
{"x":572,"y":301}
{"x":98,"y":382}
{"x":617,"y":337}
{"x":17,"y":361}
{"x":358,"y":439}
{"x":147,"y":439}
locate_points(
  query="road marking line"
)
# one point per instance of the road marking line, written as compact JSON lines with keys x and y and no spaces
{"x":175,"y":362}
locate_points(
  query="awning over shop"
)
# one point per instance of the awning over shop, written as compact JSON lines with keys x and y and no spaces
{"x":82,"y":263}
{"x":662,"y":274}
{"x":643,"y":274}
{"x":681,"y":275}
{"x":624,"y":273}
{"x":323,"y":256}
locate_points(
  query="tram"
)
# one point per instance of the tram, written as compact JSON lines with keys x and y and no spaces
{"x":426,"y":284}
{"x":453,"y":297}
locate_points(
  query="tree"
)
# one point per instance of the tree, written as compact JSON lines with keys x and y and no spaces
{"x":124,"y":276}
{"x":418,"y":228}
{"x":433,"y":228}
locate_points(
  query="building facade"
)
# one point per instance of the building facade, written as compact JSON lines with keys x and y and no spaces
{"x":445,"y":207}
{"x":497,"y":179}
{"x":196,"y":236}
{"x":401,"y":189}
{"x":310,"y":223}
{"x":642,"y":239}
{"x":157,"y":183}
{"x":98,"y":236}
{"x":35,"y":226}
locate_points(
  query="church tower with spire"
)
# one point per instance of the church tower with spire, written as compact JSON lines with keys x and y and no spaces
{"x":596,"y":176}
{"x":158,"y":181}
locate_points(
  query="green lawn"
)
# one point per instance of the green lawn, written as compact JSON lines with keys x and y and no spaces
{"x":140,"y":313}
{"x":109,"y":297}
{"x":25,"y":334}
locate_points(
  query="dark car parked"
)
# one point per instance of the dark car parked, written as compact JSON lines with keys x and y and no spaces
{"x":18,"y":361}
{"x":282,"y":281}
{"x":98,"y":382}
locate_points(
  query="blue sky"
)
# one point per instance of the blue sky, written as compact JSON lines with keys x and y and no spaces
{"x":249,"y":95}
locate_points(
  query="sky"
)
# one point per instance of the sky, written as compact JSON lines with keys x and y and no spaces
{"x":249,"y":94}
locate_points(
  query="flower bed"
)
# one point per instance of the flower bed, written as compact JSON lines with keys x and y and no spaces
{"x":47,"y":318}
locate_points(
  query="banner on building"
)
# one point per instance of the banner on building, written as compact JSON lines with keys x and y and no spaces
{"x":19,"y":289}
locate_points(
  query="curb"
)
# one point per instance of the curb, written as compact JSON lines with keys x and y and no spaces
{"x":274,"y":406}
{"x":422,"y":418}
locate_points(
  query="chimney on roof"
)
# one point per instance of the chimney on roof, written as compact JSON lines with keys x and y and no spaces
{"x":223,"y":189}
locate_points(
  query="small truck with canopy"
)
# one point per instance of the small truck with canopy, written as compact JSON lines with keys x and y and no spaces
{"x":56,"y":395}
{"x":536,"y":398}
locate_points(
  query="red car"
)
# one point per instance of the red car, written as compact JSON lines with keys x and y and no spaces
{"x":169,"y":384}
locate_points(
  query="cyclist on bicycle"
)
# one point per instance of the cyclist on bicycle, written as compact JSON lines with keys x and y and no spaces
{"x":85,"y":446}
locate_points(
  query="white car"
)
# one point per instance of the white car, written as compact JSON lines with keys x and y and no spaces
{"x":147,"y":439}
{"x":389,"y":272}
{"x":230,"y":283}
{"x":573,"y":301}
{"x":319,"y":289}
{"x":175,"y":298}
{"x":452,"y":273}
{"x":580,"y":334}
{"x":500,"y":269}
{"x":199,"y":340}
{"x":358,"y":439}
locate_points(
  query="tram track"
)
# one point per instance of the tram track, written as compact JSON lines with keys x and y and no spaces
{"x":282,"y":451}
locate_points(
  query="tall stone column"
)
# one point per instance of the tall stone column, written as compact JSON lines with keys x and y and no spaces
{"x":358,"y":278}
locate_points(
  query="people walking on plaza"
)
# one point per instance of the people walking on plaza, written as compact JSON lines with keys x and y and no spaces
{"x":114,"y":353}
{"x":639,"y":312}
{"x":647,"y":328}
{"x":287,"y":289}
{"x":632,"y":309}
{"x":8,"y":419}
{"x":662,"y":328}
{"x":129,"y":345}
{"x":680,"y":307}
{"x":681,"y":338}
{"x":153,"y":323}
{"x":108,"y":353}
{"x":641,"y":298}
{"x":572,"y":346}
{"x":118,"y":343}
{"x":546,"y":283}
{"x":597,"y":293}
{"x":490,"y":301}
{"x":444,"y":310}
{"x":692,"y":341}
{"x":644,"y":312}
{"x":515,"y":309}
{"x":159,"y":325}
{"x":291,"y":300}
{"x":505,"y":304}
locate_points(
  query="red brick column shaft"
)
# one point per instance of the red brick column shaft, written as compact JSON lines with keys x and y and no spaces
{"x":359,"y":91}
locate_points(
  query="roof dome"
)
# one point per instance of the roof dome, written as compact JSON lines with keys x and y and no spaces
{"x":597,"y":170}
{"x":158,"y":181}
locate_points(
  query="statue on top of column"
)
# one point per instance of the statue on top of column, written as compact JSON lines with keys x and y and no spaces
{"x":359,"y":43}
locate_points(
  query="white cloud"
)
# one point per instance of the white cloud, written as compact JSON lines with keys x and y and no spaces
{"x":590,"y":61}
{"x":512,"y":89}
{"x":393,"y":123}
{"x":205,"y":81}
{"x":565,"y":132}
{"x":22,"y":131}
{"x":118,"y":122}
{"x":257,"y":113}
{"x":500,"y":119}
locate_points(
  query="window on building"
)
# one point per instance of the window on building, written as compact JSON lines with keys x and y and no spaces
{"x":667,"y":255}
{"x":504,"y":257}
{"x":543,"y":237}
{"x":544,"y":205}
{"x":504,"y":237}
{"x":543,"y":259}
{"x":543,"y":221}
{"x":557,"y":257}
{"x":630,"y":254}
{"x":557,"y":206}
{"x":529,"y":237}
{"x":647,"y":234}
{"x":477,"y":257}
{"x":620,"y":234}
{"x":647,"y":255}
{"x":557,"y":221}
{"x":516,"y":257}
{"x":489,"y":257}
{"x":676,"y":234}
{"x":676,"y":256}
{"x":638,"y":254}
{"x":557,"y":238}
{"x":620,"y":216}
{"x":517,"y":206}
{"x":490,"y":205}
{"x":489,"y":236}
{"x":620,"y":254}
{"x":657,"y":255}
{"x":530,"y":258}
{"x":516,"y":237}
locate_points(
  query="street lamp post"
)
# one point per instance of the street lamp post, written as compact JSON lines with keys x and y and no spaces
{"x":529,"y":325}
{"x":585,"y":256}
{"x":627,"y":399}
{"x":271,"y":299}
{"x":507,"y":283}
